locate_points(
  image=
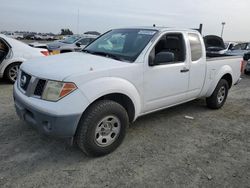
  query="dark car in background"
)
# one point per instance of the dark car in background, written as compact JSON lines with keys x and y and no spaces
{"x":246,"y":58}
{"x":214,"y":45}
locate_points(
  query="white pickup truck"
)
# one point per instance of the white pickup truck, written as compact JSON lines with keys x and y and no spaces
{"x":91,"y":96}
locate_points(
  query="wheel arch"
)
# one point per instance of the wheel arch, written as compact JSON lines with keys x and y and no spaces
{"x":10,"y":61}
{"x":116,"y":89}
{"x":226,"y":73}
{"x":123,"y":100}
{"x":228,"y":77}
{"x":5,"y":68}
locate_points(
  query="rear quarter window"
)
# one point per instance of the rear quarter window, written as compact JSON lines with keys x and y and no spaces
{"x":195,"y":46}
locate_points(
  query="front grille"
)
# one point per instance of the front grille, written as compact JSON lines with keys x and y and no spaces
{"x":40,"y":87}
{"x":24,"y":80}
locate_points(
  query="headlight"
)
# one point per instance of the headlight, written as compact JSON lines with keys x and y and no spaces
{"x":54,"y":90}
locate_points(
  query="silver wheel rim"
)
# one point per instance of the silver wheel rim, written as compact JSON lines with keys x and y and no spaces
{"x":107,"y":131}
{"x":13,"y":72}
{"x":221,"y":94}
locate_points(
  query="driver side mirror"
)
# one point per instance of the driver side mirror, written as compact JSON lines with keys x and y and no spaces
{"x":78,"y":44}
{"x":161,"y":58}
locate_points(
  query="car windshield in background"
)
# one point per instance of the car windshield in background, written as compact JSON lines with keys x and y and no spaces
{"x":121,"y":44}
{"x":70,"y":40}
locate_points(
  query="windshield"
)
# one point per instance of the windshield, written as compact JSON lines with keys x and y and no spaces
{"x":121,"y":44}
{"x":70,"y":40}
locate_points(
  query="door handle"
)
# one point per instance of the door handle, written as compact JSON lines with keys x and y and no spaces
{"x":184,"y":70}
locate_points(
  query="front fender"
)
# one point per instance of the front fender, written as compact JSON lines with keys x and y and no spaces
{"x":216,"y":78}
{"x":97,"y":88}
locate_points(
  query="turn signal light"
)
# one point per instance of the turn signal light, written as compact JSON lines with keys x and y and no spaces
{"x":67,"y":88}
{"x":46,"y":53}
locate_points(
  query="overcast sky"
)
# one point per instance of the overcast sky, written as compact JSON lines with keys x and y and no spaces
{"x":101,"y":15}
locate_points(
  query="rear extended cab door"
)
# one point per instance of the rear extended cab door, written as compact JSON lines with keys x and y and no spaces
{"x":197,"y":59}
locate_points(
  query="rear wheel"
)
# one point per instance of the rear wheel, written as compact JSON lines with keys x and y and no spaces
{"x":102,"y":128}
{"x":12,"y":71}
{"x":219,"y":96}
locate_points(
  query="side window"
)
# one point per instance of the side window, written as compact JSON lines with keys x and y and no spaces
{"x":173,"y":43}
{"x":84,"y":41}
{"x":195,"y":45}
{"x":3,"y":46}
{"x":243,"y":46}
{"x":4,"y":49}
{"x":237,"y":47}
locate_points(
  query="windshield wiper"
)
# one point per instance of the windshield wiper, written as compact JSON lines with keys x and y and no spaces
{"x":108,"y":55}
{"x":87,"y":51}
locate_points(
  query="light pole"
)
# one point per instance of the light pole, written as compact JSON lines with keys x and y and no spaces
{"x":222,"y":29}
{"x":77,"y":22}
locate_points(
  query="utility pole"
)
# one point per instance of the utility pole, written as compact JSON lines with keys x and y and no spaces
{"x":222,"y":29}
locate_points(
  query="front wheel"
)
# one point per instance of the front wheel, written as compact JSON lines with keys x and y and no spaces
{"x":219,"y":96}
{"x":102,"y":128}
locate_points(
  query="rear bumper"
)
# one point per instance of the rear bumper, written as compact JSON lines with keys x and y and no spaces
{"x":45,"y":121}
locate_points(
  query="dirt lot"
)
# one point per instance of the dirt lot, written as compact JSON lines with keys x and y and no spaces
{"x":161,"y":150}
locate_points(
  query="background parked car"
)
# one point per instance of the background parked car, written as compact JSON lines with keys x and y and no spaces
{"x":38,"y":45}
{"x":45,"y":37}
{"x":15,"y":35}
{"x":240,"y":49}
{"x":13,"y":53}
{"x":29,"y":36}
{"x":246,"y":58}
{"x":214,"y":44}
{"x":228,"y":46}
{"x":71,"y":44}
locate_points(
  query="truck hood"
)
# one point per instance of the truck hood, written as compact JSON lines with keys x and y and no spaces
{"x":59,"y":67}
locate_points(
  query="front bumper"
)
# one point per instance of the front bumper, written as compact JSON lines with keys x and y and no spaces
{"x":47,"y":121}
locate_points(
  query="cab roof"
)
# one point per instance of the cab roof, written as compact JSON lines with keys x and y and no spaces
{"x":162,"y":29}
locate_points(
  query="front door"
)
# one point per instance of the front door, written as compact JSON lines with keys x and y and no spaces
{"x":166,"y":84}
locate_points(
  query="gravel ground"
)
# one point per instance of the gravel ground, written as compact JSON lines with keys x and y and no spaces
{"x":161,"y":150}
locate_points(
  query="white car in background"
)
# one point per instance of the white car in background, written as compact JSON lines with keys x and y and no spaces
{"x":13,"y":53}
{"x":73,"y":43}
{"x":228,"y":46}
{"x":17,"y":36}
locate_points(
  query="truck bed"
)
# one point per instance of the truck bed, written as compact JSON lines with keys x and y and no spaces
{"x":222,"y":58}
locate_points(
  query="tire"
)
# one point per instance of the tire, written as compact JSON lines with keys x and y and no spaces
{"x":246,"y":72}
{"x":12,"y":71}
{"x":102,"y":128}
{"x":219,"y":96}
